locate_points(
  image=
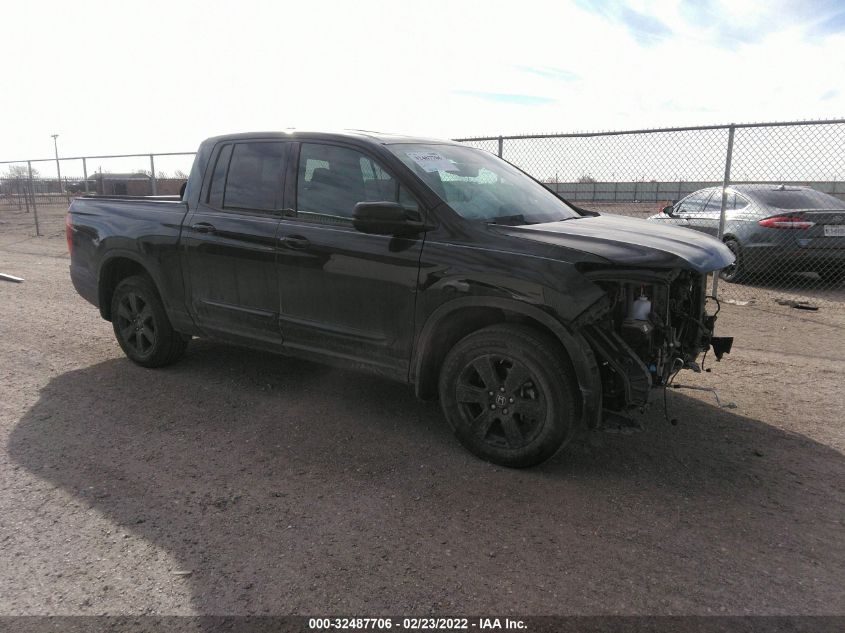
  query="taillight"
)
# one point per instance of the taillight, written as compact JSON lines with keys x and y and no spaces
{"x":786,"y":222}
{"x":69,"y":233}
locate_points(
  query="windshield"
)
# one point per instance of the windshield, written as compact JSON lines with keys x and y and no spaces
{"x":480,"y":186}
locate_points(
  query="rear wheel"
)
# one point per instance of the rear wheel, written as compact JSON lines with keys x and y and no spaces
{"x":141,"y":325}
{"x":509,"y":395}
{"x":736,"y":272}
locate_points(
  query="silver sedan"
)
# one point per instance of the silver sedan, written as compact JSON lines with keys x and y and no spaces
{"x":770,"y":228}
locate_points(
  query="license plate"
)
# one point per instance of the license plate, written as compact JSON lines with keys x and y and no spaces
{"x":834,"y":230}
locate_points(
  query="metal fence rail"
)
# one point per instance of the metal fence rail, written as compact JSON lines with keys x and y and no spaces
{"x":772,"y":192}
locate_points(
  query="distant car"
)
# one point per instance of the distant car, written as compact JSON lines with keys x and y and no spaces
{"x":770,"y":228}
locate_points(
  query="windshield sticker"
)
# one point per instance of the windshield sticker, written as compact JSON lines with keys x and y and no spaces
{"x":432,"y":161}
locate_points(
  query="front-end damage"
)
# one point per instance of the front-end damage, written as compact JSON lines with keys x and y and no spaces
{"x":649,"y":325}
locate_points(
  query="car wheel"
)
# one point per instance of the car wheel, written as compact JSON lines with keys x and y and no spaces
{"x":734,"y":273}
{"x":509,"y":395}
{"x":141,"y":325}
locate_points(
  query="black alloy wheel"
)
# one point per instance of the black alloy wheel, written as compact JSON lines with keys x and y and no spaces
{"x":509,"y":393}
{"x":141,"y":325}
{"x":498,"y":398}
{"x":136,"y":324}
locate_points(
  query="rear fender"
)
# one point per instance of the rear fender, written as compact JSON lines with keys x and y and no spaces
{"x":104,"y":283}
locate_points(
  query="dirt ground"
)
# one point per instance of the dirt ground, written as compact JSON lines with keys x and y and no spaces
{"x":236,"y":482}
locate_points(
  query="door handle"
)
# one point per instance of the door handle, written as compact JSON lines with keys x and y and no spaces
{"x":203,"y":227}
{"x":295,"y":241}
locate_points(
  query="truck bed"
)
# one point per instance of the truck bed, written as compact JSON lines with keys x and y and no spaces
{"x":141,"y":229}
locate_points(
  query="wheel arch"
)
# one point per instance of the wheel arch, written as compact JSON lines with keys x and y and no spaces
{"x":113,"y":270}
{"x":456,"y":319}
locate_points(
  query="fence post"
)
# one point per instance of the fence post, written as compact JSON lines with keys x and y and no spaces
{"x":85,"y":173}
{"x":32,"y":189}
{"x":22,"y":190}
{"x":501,"y":143}
{"x":725,"y":182}
{"x":59,"y":173}
{"x":153,"y":175}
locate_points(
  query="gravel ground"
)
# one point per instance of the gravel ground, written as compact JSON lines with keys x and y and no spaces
{"x":236,"y":482}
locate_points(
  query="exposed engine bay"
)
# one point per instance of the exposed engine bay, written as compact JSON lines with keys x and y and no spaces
{"x":653,"y":324}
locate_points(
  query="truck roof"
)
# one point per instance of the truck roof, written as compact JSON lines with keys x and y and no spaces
{"x":381,"y":138}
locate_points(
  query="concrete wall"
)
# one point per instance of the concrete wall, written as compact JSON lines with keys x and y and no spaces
{"x":662,"y":191}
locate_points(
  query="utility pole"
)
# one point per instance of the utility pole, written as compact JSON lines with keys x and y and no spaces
{"x":58,"y":167}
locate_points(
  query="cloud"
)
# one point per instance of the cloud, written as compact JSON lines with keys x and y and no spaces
{"x":503,"y":97}
{"x":558,"y":74}
{"x":732,"y":23}
{"x":831,"y":22}
{"x":644,"y":27}
{"x":450,"y":69}
{"x":727,"y":26}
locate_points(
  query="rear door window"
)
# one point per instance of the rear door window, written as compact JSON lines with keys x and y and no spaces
{"x":714,"y":204}
{"x":738,"y":201}
{"x":693,"y":203}
{"x":218,"y":178}
{"x":254,"y":180}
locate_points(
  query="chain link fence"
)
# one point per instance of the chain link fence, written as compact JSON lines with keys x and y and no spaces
{"x":772,"y":192}
{"x":35,"y":194}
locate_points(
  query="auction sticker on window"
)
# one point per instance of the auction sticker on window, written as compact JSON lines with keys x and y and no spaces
{"x":432,"y":161}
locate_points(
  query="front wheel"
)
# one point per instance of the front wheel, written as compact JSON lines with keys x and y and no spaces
{"x":141,"y":325}
{"x":509,"y":395}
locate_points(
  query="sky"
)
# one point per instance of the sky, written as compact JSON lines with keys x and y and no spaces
{"x":110,"y":77}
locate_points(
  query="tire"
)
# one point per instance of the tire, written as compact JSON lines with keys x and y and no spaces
{"x":735,"y":273}
{"x":141,"y":325}
{"x":531,"y":414}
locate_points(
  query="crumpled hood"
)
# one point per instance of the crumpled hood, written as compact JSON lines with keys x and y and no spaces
{"x":631,"y":242}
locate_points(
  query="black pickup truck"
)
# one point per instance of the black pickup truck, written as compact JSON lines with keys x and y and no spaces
{"x":425,"y":261}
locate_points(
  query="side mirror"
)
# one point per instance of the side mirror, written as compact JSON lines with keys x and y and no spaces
{"x":384,"y":218}
{"x":669,"y":210}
